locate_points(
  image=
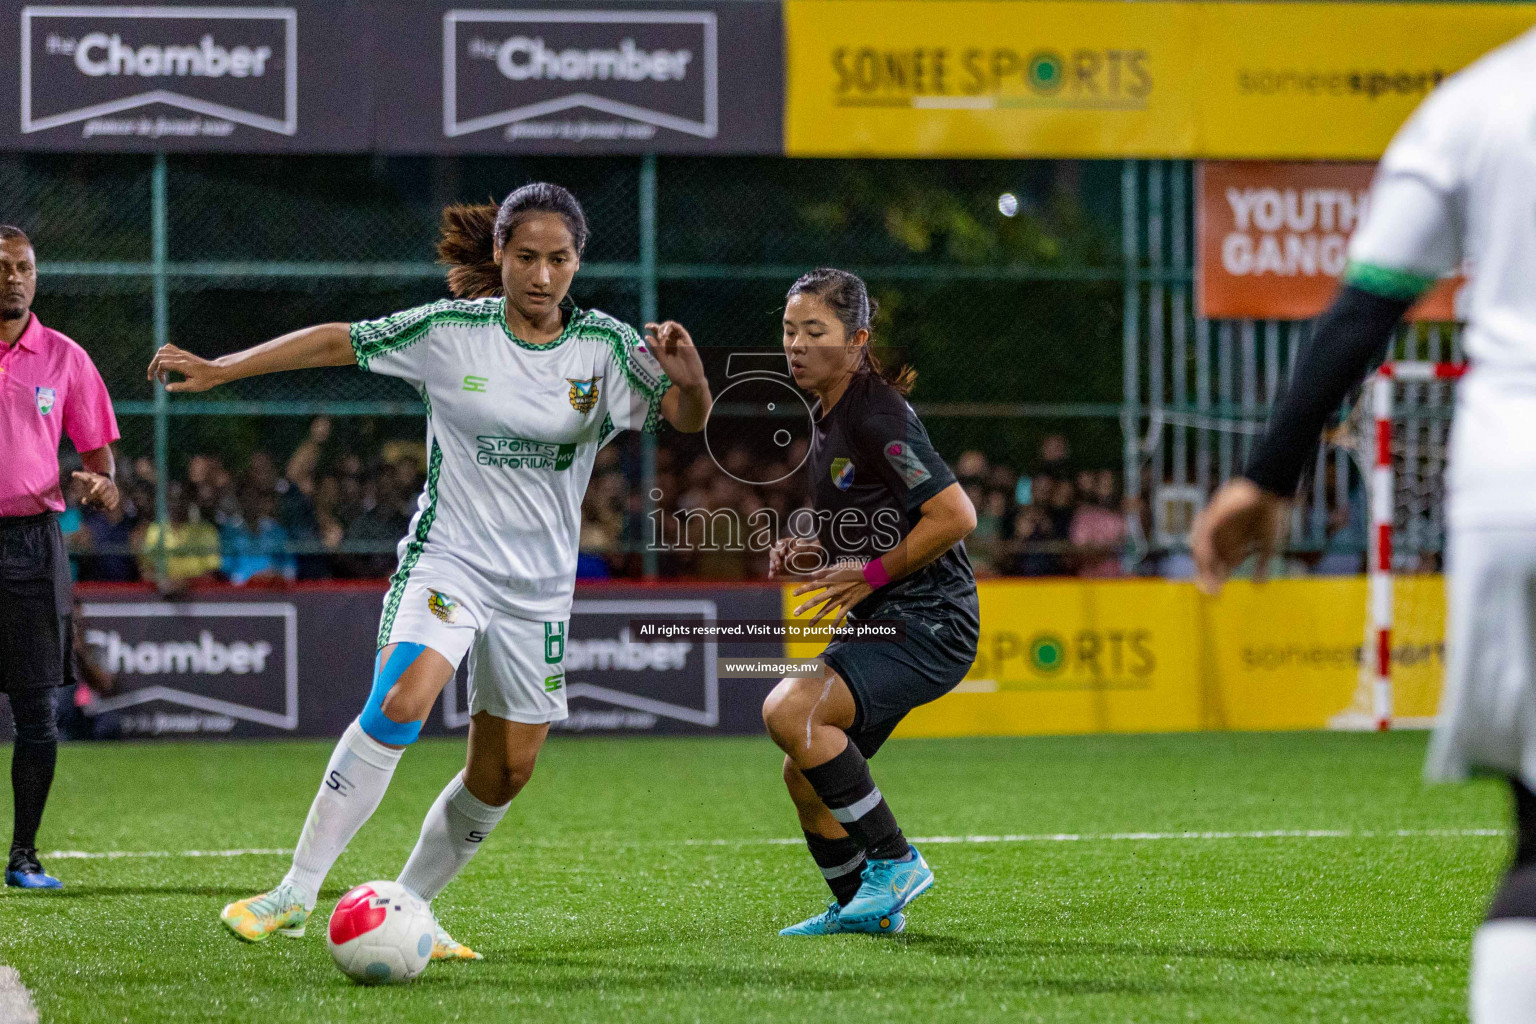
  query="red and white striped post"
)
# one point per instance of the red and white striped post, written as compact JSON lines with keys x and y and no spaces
{"x":1382,"y":504}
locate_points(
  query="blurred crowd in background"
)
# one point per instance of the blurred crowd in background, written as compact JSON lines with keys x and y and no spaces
{"x":327,"y":511}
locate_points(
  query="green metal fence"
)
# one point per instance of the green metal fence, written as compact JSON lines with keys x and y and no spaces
{"x":1019,"y":325}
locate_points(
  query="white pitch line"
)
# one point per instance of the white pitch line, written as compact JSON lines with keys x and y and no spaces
{"x":15,"y":1001}
{"x":1042,"y":837}
{"x":119,"y":854}
{"x":1111,"y":837}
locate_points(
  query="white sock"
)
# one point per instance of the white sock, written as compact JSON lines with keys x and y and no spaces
{"x":453,"y":831}
{"x":1503,"y":988}
{"x":354,"y":783}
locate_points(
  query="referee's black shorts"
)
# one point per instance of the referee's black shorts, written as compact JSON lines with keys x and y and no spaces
{"x":35,"y":604}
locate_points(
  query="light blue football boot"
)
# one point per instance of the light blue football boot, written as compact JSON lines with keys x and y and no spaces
{"x":888,"y":886}
{"x":830,"y":922}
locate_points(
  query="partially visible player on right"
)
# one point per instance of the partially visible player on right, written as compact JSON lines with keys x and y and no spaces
{"x":1458,"y":182}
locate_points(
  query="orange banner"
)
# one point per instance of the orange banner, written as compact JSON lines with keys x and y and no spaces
{"x":1274,"y":239}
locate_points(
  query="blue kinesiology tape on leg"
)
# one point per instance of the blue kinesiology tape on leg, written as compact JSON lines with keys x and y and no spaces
{"x":373,"y":720}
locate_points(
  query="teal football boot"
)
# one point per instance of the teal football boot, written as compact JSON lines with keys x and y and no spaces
{"x":830,"y":922}
{"x":888,"y":886}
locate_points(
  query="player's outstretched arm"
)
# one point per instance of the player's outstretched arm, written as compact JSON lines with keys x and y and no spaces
{"x":321,"y":345}
{"x":686,"y":403}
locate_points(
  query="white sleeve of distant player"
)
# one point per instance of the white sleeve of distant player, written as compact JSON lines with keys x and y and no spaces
{"x":636,"y":386}
{"x":1411,"y":227}
{"x":1415,"y":221}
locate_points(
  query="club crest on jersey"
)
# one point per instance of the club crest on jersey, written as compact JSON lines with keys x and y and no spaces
{"x":583,"y":394}
{"x":907,"y":465}
{"x":441,"y":605}
{"x":842,"y":474}
{"x":45,"y":399}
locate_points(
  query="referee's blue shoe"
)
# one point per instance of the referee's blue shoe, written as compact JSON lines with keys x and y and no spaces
{"x":888,"y":886}
{"x":24,"y":872}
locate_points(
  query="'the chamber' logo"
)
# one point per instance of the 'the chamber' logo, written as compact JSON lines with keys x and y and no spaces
{"x":580,"y":75}
{"x":222,"y":66}
{"x":235,"y":661}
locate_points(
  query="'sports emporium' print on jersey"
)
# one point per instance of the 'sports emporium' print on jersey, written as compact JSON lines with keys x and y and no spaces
{"x":522,"y":453}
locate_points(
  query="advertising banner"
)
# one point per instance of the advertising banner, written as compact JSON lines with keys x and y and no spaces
{"x":1069,"y":656}
{"x":1064,"y":78}
{"x":1332,"y":80}
{"x":584,"y":78}
{"x":1056,"y":656}
{"x":1287,"y":654}
{"x":975,"y":78}
{"x":1063,"y":656}
{"x":299,"y":663}
{"x":295,"y":78}
{"x":1273,"y":239}
{"x":1054,"y":78}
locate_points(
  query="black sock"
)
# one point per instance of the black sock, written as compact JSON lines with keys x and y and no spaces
{"x":1516,"y":894}
{"x":845,"y":786}
{"x":841,"y":862}
{"x":32,"y":762}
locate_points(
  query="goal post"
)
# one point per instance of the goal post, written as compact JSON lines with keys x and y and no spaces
{"x":1402,"y":451}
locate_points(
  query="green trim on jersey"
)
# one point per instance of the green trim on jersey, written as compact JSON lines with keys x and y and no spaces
{"x":1398,"y":285}
{"x":596,"y":327}
{"x":565,"y":331}
{"x":414,"y":546}
{"x":653,"y":414}
{"x":373,"y":338}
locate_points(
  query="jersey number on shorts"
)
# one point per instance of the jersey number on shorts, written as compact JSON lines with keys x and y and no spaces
{"x":554,"y":642}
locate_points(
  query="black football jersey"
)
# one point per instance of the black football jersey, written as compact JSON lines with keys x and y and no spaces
{"x":872,"y":467}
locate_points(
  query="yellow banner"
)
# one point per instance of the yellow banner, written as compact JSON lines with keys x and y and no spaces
{"x":1332,"y":80}
{"x":1065,"y":78}
{"x":959,"y":78}
{"x":1065,"y":656}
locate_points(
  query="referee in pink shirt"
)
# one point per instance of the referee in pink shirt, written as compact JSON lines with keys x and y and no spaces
{"x":48,"y":387}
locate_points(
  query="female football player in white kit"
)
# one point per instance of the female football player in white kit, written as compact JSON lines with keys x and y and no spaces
{"x":1458,"y":183}
{"x":521,"y":389}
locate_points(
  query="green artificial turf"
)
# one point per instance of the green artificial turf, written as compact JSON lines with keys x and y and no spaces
{"x":632,"y":881}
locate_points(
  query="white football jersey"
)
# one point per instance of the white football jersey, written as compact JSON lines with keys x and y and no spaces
{"x":512,"y":432}
{"x":1458,"y":184}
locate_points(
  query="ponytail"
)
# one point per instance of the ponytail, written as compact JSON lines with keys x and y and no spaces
{"x":466,"y":249}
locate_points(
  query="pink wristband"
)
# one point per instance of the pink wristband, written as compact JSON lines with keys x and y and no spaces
{"x":875,"y":574}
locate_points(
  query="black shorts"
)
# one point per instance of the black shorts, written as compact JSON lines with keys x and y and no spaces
{"x":35,"y":604}
{"x":889,"y":679}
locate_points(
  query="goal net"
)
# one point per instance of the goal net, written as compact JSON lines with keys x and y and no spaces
{"x":1399,"y":433}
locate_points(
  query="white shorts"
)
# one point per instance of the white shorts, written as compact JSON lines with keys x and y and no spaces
{"x":1488,"y":704}
{"x":515,"y":664}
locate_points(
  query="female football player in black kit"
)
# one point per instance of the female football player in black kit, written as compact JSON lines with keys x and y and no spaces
{"x":891,"y":522}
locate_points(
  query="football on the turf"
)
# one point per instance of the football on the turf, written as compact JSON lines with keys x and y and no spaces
{"x":381,"y":934}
